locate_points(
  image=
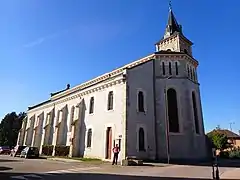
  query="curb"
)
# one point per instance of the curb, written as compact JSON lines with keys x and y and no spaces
{"x":64,"y":160}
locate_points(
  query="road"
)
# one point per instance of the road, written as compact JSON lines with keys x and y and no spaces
{"x":36,"y":169}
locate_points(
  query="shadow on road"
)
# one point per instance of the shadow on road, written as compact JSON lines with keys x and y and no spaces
{"x":3,"y":168}
{"x":222,"y":163}
{"x":8,"y":160}
{"x":89,"y":176}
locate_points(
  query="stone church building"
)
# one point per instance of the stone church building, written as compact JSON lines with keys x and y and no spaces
{"x":150,"y":108}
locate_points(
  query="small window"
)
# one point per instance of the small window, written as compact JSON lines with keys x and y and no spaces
{"x":188,"y":71}
{"x":193,"y":74}
{"x":91,"y":106}
{"x":169,"y":50}
{"x":89,"y":138}
{"x":176,"y":66}
{"x":140,"y":101}
{"x":185,"y":51}
{"x":170,"y":68}
{"x":163,"y":68}
{"x":110,"y":100}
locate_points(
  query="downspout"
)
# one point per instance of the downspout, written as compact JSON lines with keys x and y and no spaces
{"x":155,"y":111}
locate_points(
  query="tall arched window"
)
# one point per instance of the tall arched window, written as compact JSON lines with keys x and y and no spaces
{"x":141,"y":101}
{"x":89,"y":138}
{"x":91,"y":105}
{"x":188,"y":71}
{"x":163,"y":68}
{"x":195,"y":113}
{"x":172,"y":111}
{"x":141,"y":140}
{"x":110,"y":100}
{"x":176,"y":66}
{"x":170,"y":68}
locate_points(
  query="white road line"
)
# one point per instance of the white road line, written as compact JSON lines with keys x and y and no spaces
{"x":18,"y":177}
{"x":33,"y":176}
{"x":71,"y":170}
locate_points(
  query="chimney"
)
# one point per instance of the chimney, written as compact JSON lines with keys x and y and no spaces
{"x":68,"y":86}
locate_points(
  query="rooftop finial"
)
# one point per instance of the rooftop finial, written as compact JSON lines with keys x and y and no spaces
{"x":170,"y":5}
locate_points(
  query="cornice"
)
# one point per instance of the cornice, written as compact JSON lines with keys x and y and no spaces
{"x":177,"y":57}
{"x":79,"y":95}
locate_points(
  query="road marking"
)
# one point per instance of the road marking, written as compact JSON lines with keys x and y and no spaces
{"x":33,"y":176}
{"x":71,"y":170}
{"x":18,"y":177}
{"x":53,"y":173}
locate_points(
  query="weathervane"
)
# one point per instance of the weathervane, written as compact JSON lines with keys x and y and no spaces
{"x":170,"y":5}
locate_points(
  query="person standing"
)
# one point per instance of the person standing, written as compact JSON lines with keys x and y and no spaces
{"x":115,"y":152}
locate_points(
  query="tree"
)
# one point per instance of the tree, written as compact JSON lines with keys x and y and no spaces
{"x":9,"y":128}
{"x":219,"y":140}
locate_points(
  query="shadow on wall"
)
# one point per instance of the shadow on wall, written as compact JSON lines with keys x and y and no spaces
{"x":64,"y":126}
{"x":6,"y":175}
{"x":82,"y":129}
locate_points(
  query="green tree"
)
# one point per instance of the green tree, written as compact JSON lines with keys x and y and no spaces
{"x":9,"y":128}
{"x":219,"y":140}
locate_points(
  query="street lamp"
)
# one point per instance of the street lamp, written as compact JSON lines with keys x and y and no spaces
{"x":166,"y":119}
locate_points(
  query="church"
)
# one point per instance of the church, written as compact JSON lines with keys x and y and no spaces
{"x":151,"y":108}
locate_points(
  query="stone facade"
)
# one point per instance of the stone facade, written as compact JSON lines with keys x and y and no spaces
{"x":147,"y":107}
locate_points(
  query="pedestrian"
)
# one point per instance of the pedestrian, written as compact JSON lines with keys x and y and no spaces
{"x":115,"y":152}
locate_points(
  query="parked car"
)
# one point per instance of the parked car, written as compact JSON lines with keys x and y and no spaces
{"x":5,"y":150}
{"x":16,"y":151}
{"x":30,"y":152}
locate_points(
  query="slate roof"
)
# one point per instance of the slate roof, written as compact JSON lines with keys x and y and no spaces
{"x":227,"y":132}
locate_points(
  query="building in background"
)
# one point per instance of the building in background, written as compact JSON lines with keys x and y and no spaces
{"x":150,"y":107}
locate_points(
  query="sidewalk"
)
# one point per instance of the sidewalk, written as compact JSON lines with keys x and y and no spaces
{"x":234,"y":173}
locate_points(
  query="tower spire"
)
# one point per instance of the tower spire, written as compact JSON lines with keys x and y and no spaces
{"x":172,"y":25}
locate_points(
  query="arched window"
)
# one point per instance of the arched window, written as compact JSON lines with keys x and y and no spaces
{"x":195,"y":113}
{"x":170,"y":68}
{"x":110,"y":100}
{"x":163,"y":68}
{"x":188,"y":71}
{"x":141,"y":140}
{"x":71,"y":117}
{"x":91,"y":105}
{"x":176,"y":66}
{"x":89,"y":138}
{"x":141,"y":101}
{"x":193,"y":74}
{"x":172,"y":111}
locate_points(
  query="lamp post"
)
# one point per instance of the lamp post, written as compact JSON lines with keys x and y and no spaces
{"x":166,"y":120}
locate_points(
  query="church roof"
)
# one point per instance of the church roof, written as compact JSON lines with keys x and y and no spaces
{"x":172,"y":25}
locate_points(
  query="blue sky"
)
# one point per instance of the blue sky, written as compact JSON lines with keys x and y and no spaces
{"x":46,"y":44}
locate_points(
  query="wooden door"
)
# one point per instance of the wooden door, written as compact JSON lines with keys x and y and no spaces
{"x":109,"y":143}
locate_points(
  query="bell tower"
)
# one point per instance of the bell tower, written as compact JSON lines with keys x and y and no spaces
{"x":173,"y":39}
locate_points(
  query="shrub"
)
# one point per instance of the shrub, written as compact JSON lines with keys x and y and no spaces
{"x":235,"y":154}
{"x":61,"y":150}
{"x":224,"y":154}
{"x":47,"y":150}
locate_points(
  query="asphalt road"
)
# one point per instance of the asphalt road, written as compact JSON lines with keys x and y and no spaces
{"x":36,"y":169}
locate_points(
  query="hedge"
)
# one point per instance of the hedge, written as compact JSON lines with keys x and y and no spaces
{"x":47,"y":150}
{"x":61,"y":150}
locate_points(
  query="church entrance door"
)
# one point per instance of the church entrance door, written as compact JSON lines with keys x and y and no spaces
{"x":109,"y":143}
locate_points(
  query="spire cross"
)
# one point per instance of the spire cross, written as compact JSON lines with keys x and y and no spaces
{"x":170,"y":5}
